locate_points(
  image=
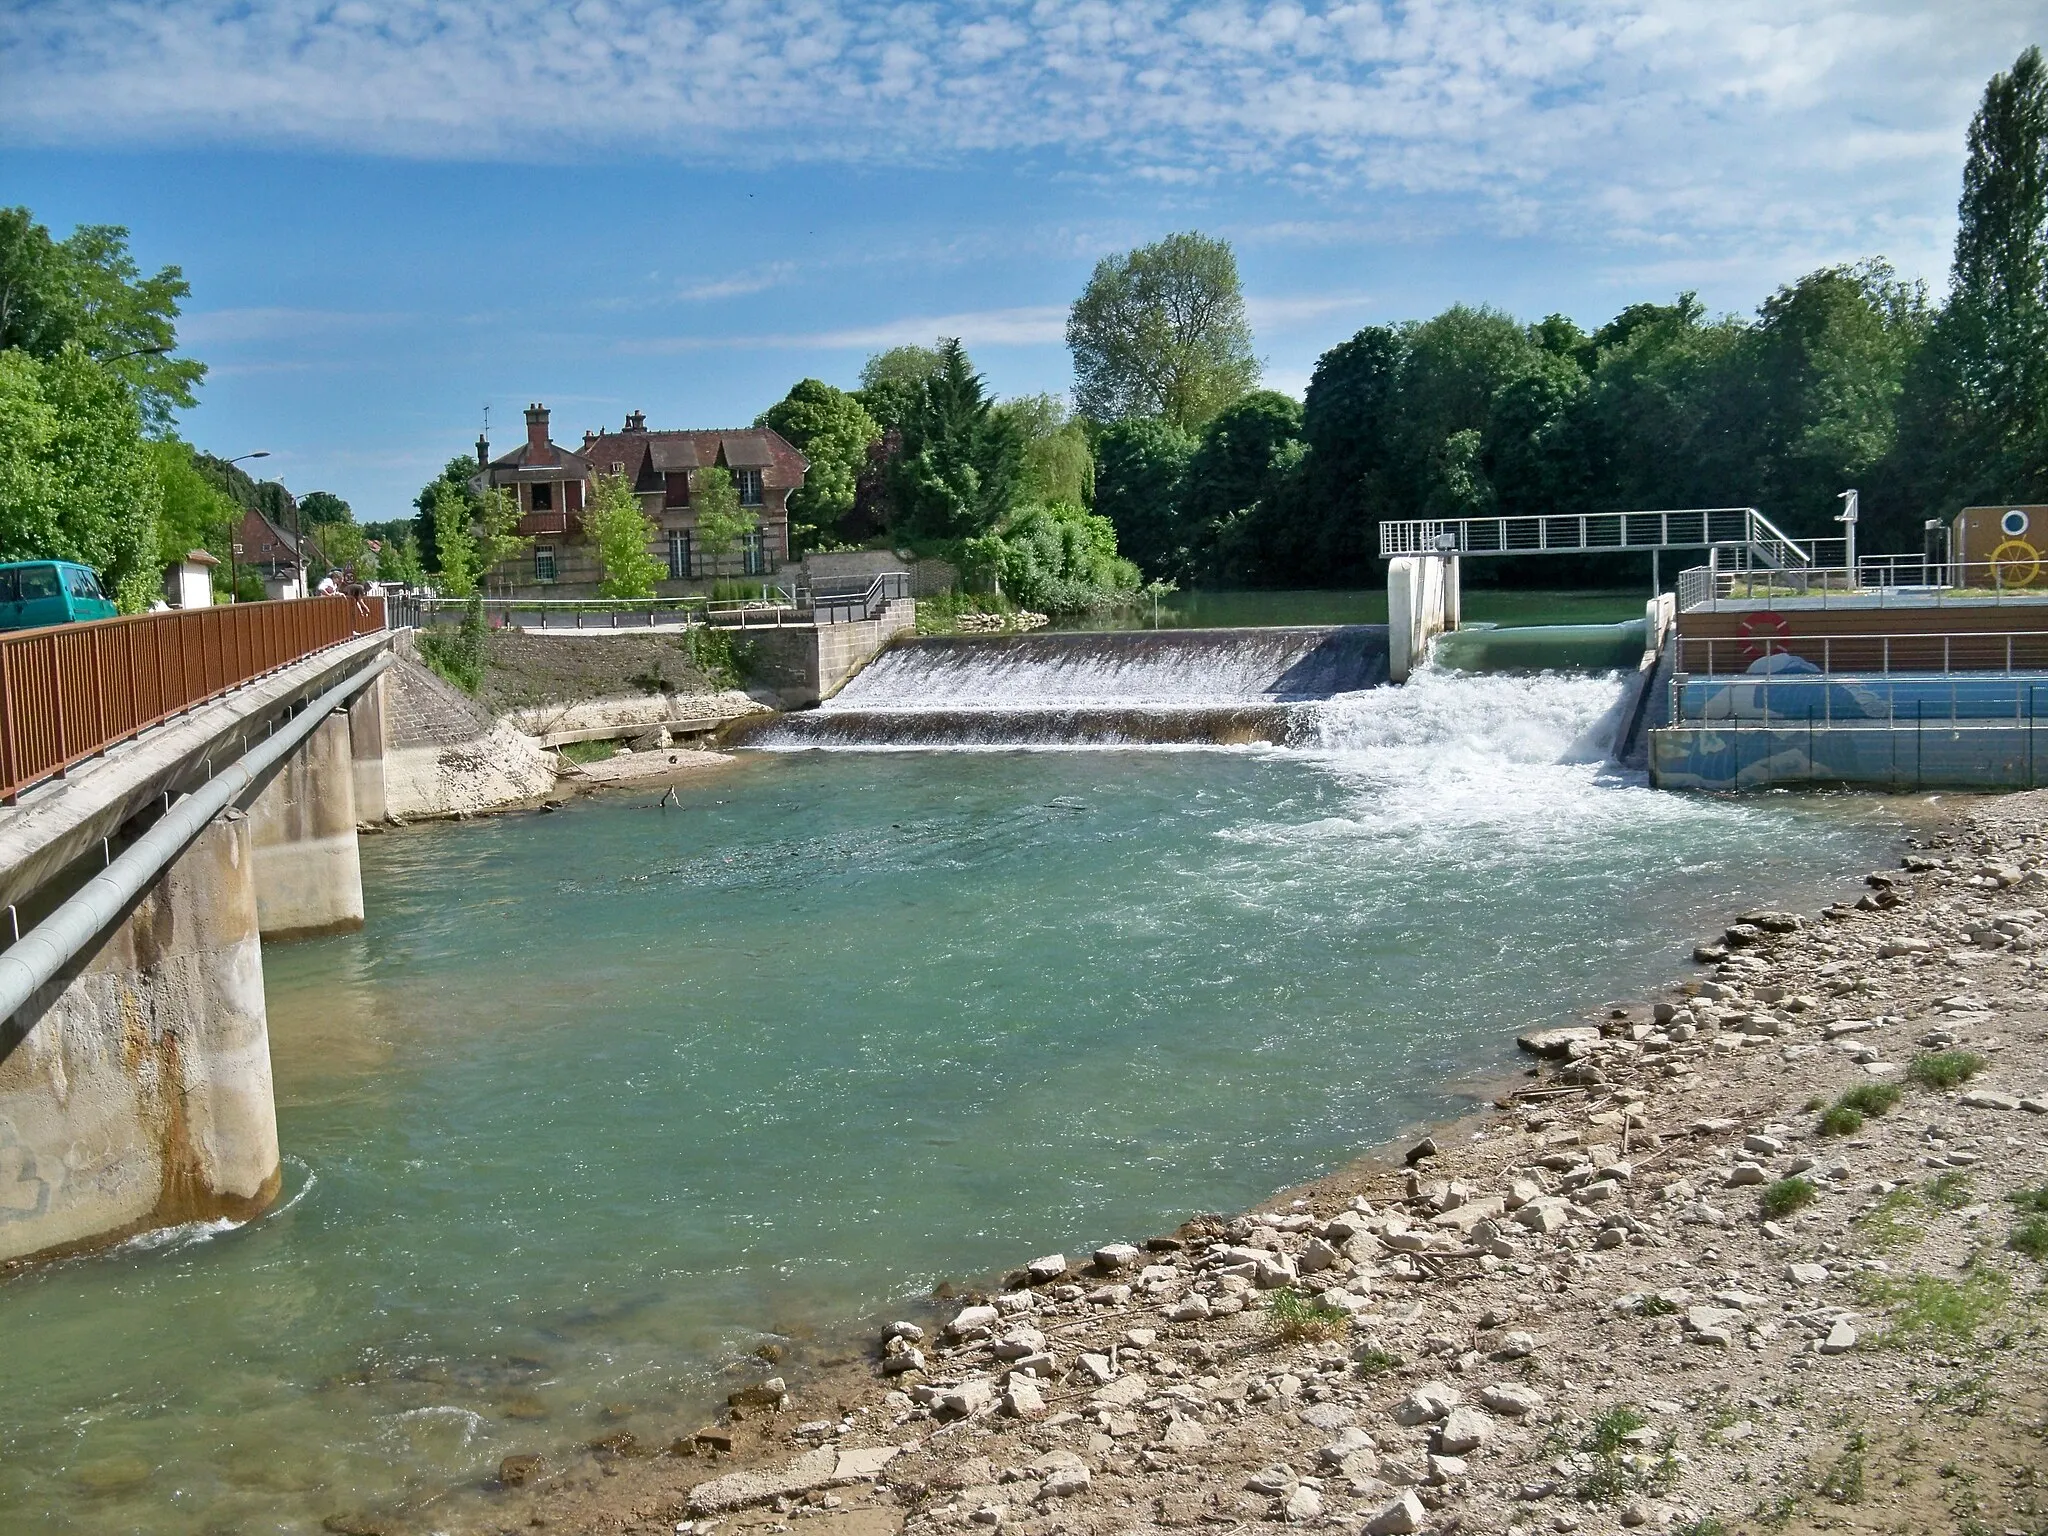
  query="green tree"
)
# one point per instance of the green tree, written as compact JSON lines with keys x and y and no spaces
{"x":87,"y":291}
{"x":1140,"y":467}
{"x":1059,"y":464}
{"x":1161,"y":331}
{"x":1055,"y":557}
{"x":832,"y":429}
{"x":959,"y":472}
{"x":77,"y":480}
{"x":324,"y":507}
{"x":454,"y":480}
{"x":193,"y":513}
{"x":1977,"y":412}
{"x":497,"y":523}
{"x":398,"y":559}
{"x":721,"y":521}
{"x":457,"y":565}
{"x":622,"y":534}
{"x":1231,"y":496}
{"x":892,"y":382}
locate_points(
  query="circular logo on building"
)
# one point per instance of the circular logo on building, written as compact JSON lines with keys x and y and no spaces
{"x":2014,"y":523}
{"x":2015,"y":563}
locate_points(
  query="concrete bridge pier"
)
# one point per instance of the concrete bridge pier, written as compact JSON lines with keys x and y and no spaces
{"x":309,"y":880}
{"x":366,"y":740}
{"x":135,"y":1089}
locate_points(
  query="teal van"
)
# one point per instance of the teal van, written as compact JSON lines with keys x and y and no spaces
{"x":38,"y":592}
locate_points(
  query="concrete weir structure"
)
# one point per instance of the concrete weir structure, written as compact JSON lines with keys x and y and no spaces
{"x":135,"y":1076}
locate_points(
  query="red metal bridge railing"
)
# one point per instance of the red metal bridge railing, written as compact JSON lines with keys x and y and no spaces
{"x":69,"y":692}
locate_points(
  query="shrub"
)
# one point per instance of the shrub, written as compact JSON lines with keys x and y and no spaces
{"x":1371,"y":1360}
{"x":1950,"y":1192}
{"x":458,"y":654}
{"x":1841,"y":1120}
{"x":1302,"y":1318}
{"x":1925,"y":1307}
{"x":2030,"y":1237}
{"x":1787,"y":1196}
{"x":1872,"y":1098}
{"x":1945,"y":1069}
{"x":2035,"y":1200}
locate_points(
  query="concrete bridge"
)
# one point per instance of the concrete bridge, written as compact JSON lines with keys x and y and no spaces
{"x":178,"y":788}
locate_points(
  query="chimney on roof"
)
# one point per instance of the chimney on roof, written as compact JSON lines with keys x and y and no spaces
{"x":483,"y":453}
{"x":636,"y":421}
{"x":589,"y":437}
{"x":537,"y":434}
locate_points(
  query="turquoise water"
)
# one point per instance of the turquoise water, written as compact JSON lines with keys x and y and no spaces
{"x":598,"y":1101}
{"x":1489,"y":605}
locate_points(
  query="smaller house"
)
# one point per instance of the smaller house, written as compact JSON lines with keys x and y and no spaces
{"x":554,"y":485}
{"x":188,"y":581}
{"x":272,"y":552}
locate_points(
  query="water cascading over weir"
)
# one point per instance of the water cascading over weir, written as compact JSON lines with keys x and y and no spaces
{"x":1117,"y":688}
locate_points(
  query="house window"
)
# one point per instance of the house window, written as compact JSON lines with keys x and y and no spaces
{"x":543,"y":496}
{"x":677,"y":492}
{"x":618,"y":466}
{"x":679,"y":554}
{"x":748,"y":483}
{"x":754,"y":559}
{"x":543,"y":565}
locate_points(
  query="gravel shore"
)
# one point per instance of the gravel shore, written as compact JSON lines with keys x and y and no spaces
{"x":1763,"y":1252}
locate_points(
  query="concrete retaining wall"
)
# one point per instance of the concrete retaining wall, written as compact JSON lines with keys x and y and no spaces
{"x":806,"y":663}
{"x":136,"y":1092}
{"x":308,"y":879}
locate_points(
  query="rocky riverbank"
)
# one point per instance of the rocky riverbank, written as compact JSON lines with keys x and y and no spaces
{"x":1764,"y":1251}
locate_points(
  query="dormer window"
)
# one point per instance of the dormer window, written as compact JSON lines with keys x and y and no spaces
{"x":748,"y":483}
{"x":618,"y":466}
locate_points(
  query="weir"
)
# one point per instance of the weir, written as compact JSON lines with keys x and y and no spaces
{"x":1131,"y":687}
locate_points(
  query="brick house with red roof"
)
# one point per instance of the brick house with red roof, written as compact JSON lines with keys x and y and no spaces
{"x":554,"y":484}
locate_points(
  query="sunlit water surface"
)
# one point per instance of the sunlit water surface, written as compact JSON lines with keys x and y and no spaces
{"x":598,"y":1100}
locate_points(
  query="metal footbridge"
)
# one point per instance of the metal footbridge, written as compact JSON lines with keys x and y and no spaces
{"x":1739,"y":537}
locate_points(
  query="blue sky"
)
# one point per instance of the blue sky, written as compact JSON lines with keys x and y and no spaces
{"x":393,"y":212}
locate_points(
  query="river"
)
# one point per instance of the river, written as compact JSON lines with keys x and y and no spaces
{"x":600,"y":1102}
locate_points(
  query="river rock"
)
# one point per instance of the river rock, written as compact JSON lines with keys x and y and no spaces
{"x":1302,"y":1506}
{"x":1095,"y":1370}
{"x":907,"y":1359}
{"x":1115,"y":1256}
{"x":1426,"y":1404}
{"x":1022,"y":1399}
{"x":1807,"y":1274}
{"x":1840,"y":1340}
{"x":1465,"y":1430}
{"x":1065,"y":1475}
{"x":737,"y":1490}
{"x":1989,"y":1098}
{"x":518,"y":1471}
{"x":1047,"y":1269}
{"x":973,"y":1322}
{"x":771,"y":1393}
{"x":1348,"y":1444}
{"x":1511,"y":1399}
{"x":1403,"y":1517}
{"x":1125,"y":1392}
{"x":1556,"y":1042}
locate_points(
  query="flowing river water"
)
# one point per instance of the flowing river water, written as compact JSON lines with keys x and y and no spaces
{"x":600,"y":1101}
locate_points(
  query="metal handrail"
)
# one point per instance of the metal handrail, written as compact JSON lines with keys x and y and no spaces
{"x":1878,"y":581}
{"x":1595,"y":533}
{"x":69,"y":692}
{"x":776,"y":608}
{"x":1966,"y":651}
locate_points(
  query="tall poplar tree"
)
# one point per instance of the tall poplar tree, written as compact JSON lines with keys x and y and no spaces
{"x":1977,"y":406}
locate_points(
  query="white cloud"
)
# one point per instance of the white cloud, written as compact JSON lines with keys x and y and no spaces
{"x":1634,"y":118}
{"x":1033,"y":325}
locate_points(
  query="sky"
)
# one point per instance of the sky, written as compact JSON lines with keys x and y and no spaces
{"x":396,"y":213}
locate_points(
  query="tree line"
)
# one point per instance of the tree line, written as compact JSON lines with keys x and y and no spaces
{"x":1173,"y":460}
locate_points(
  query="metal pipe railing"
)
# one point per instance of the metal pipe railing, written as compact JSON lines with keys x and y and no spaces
{"x":37,"y":958}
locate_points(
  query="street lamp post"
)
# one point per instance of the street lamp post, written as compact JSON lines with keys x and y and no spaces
{"x":234,"y":576}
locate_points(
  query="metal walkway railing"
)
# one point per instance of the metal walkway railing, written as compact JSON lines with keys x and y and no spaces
{"x":69,"y":692}
{"x":777,"y":607}
{"x":1742,"y":528}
